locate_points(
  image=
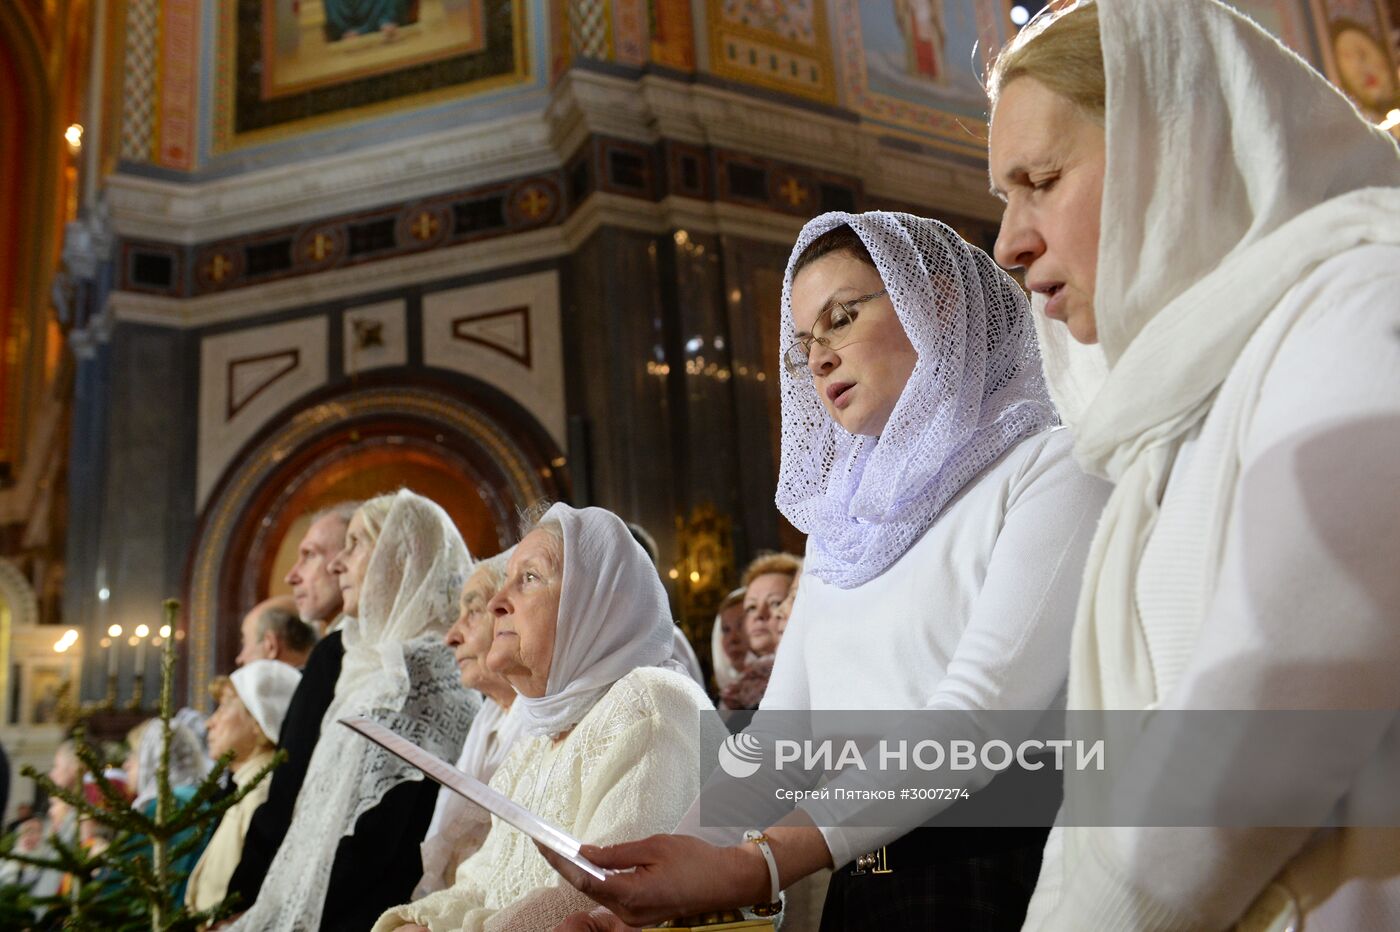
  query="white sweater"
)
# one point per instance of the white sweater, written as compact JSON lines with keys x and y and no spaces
{"x":1306,"y":615}
{"x":976,"y":615}
{"x":628,"y":770}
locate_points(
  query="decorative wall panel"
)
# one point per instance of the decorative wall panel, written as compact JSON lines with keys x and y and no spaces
{"x":375,"y":337}
{"x":245,"y":378}
{"x":139,"y":87}
{"x":179,"y":80}
{"x":780,"y":46}
{"x":505,"y":333}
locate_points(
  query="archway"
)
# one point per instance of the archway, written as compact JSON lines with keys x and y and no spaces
{"x":474,"y":452}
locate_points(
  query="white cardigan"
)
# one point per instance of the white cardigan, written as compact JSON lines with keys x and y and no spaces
{"x":627,"y":770}
{"x":1306,"y":615}
{"x":976,"y":615}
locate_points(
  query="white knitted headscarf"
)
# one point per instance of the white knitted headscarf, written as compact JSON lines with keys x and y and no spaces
{"x":188,"y":764}
{"x":613,"y":618}
{"x":975,"y":391}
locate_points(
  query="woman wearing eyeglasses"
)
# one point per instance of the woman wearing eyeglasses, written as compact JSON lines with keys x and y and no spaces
{"x":947,"y":528}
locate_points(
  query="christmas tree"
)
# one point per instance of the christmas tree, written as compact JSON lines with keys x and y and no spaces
{"x":128,"y":885}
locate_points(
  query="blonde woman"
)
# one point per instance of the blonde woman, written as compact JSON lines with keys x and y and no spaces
{"x":352,"y":848}
{"x":1210,"y":230}
{"x":768,"y":583}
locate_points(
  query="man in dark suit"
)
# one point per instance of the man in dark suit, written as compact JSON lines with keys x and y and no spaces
{"x":316,"y":591}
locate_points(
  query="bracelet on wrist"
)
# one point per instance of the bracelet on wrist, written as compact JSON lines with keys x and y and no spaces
{"x":775,"y":904}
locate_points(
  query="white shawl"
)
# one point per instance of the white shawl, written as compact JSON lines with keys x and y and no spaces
{"x":1233,"y":170}
{"x":613,"y":618}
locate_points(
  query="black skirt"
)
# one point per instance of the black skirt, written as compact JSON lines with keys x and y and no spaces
{"x":949,"y":879}
{"x":948,"y":876}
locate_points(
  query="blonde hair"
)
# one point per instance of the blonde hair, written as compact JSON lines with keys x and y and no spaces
{"x":1063,"y":52}
{"x":764,"y":563}
{"x":133,"y":736}
{"x":375,"y":512}
{"x":217,"y":687}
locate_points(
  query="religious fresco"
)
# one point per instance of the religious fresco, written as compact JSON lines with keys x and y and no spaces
{"x":915,"y":65}
{"x":781,"y":45}
{"x":1356,"y":53}
{"x":629,"y":32}
{"x":285,"y":62}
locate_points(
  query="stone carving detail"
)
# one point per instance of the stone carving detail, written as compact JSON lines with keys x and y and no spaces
{"x":250,"y":376}
{"x":507,"y":332}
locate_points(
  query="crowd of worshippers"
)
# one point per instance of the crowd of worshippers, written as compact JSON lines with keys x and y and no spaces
{"x":344,"y":831}
{"x":1166,"y":481}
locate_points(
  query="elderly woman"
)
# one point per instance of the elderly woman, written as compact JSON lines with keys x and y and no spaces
{"x":252,"y":703}
{"x":187,"y":765}
{"x":352,"y":849}
{"x":947,"y":525}
{"x":1226,"y":353}
{"x":458,"y":826}
{"x":729,"y":648}
{"x":584,"y":635}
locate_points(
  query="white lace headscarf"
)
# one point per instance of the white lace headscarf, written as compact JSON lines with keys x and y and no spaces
{"x":398,"y":672}
{"x":188,"y":764}
{"x":975,"y":391}
{"x":613,"y":618}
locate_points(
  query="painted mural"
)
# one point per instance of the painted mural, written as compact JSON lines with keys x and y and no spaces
{"x":781,"y":45}
{"x":1358,"y":56}
{"x":284,"y":62}
{"x":915,"y":65}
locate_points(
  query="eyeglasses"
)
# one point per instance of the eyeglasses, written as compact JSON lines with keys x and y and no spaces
{"x":840,"y":317}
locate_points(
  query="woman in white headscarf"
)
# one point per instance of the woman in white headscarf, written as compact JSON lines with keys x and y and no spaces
{"x":187,"y":766}
{"x":1226,"y":352}
{"x":352,"y":848}
{"x":729,"y":648}
{"x":947,"y":525}
{"x":613,"y":725}
{"x":459,"y":826}
{"x":253,"y":702}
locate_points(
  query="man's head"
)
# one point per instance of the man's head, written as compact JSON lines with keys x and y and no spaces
{"x":314,"y":587}
{"x":272,"y":631}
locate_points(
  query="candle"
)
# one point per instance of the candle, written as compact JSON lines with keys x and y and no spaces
{"x":141,"y":632}
{"x":115,"y":633}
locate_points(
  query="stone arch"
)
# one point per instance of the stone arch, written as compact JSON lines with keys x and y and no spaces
{"x":449,"y":436}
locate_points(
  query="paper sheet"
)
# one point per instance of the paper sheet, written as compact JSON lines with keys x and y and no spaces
{"x":493,"y":802}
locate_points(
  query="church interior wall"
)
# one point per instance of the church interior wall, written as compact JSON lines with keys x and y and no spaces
{"x":631,"y":174}
{"x":147,"y":506}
